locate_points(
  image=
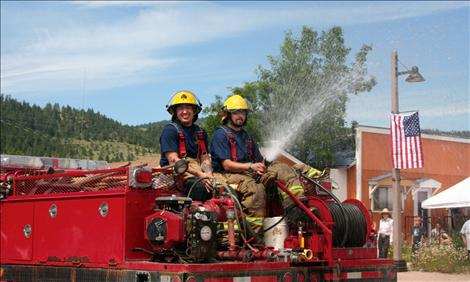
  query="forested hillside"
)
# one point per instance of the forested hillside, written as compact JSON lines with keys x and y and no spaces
{"x":67,"y":132}
{"x":62,"y":131}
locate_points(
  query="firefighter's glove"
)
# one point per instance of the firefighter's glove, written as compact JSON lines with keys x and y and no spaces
{"x":309,"y":171}
{"x":315,"y":173}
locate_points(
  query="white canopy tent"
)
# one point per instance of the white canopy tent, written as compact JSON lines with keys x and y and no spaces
{"x":457,"y":196}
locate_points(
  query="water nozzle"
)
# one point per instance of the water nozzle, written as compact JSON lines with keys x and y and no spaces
{"x":266,"y":162}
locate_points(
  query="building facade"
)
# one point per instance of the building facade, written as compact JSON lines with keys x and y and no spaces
{"x":368,"y":178}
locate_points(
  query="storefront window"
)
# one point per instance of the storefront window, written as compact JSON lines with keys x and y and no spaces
{"x":382,"y":198}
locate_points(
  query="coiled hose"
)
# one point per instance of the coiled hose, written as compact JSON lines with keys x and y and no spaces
{"x":356,"y":233}
{"x":341,"y":208}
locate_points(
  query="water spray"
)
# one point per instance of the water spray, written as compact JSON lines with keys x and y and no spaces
{"x":298,"y":101}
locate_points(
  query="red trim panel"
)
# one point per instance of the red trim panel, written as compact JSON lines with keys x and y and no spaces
{"x":244,"y":278}
{"x":198,"y":268}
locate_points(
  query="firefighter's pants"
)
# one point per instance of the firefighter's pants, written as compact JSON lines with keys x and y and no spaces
{"x":287,"y":176}
{"x":252,"y":190}
{"x":252,"y":197}
{"x":193,"y":184}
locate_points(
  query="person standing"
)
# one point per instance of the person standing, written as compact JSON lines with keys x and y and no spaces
{"x":385,"y":233}
{"x":183,"y":139}
{"x":417,"y":234}
{"x":465,"y":232}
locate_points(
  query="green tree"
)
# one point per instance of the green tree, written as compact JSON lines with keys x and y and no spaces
{"x":300,"y":100}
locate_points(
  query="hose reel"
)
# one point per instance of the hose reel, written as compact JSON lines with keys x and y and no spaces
{"x":356,"y":233}
{"x":349,"y":221}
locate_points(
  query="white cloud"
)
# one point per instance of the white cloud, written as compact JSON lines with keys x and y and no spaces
{"x":318,"y":13}
{"x":104,"y":4}
{"x":103,"y":71}
{"x":123,"y":47}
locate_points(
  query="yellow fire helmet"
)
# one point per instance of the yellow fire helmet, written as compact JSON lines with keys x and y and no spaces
{"x":183,"y":97}
{"x":234,"y":103}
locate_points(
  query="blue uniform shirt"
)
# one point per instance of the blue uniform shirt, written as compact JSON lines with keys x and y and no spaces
{"x":221,"y":148}
{"x":169,"y":141}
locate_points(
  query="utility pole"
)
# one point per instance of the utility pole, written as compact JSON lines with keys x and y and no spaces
{"x":396,"y":190}
{"x":413,"y":76}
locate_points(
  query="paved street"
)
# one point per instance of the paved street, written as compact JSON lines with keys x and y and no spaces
{"x":417,"y":276}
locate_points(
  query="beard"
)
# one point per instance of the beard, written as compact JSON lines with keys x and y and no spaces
{"x":238,"y":122}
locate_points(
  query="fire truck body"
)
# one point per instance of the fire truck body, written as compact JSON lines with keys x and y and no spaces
{"x":130,"y":224}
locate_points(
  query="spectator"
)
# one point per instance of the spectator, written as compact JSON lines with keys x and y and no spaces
{"x":417,"y":234}
{"x":439,"y":235}
{"x":466,"y":237}
{"x":385,"y":233}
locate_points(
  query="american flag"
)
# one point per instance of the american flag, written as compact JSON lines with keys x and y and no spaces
{"x":407,"y":150}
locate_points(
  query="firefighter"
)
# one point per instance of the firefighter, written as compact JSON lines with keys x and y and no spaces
{"x":183,"y":139}
{"x":238,"y":161}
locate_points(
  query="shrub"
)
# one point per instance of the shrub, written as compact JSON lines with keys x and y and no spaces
{"x":405,"y":251}
{"x":444,"y":258}
{"x":456,"y":238}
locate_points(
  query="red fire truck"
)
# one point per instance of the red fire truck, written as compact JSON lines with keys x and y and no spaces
{"x":92,"y":223}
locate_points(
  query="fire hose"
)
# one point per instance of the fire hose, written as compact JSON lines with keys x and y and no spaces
{"x":345,"y":215}
{"x":340,"y":205}
{"x":355,"y":237}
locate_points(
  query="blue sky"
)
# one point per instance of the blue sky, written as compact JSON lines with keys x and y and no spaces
{"x":125,"y":59}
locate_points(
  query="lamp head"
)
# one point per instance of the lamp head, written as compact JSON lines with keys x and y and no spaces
{"x":414,"y":75}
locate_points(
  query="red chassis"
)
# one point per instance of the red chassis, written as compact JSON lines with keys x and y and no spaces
{"x":88,"y":226}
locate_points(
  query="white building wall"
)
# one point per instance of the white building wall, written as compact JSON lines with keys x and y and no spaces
{"x":359,"y":163}
{"x":340,"y":177}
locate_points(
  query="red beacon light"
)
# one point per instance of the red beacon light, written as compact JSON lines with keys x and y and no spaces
{"x":144,"y":176}
{"x":141,"y":177}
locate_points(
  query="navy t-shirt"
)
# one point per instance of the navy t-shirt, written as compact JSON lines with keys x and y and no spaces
{"x":169,"y":141}
{"x":221,"y":148}
{"x":418,"y":232}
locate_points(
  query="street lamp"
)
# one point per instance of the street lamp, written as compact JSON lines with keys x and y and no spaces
{"x":413,"y":76}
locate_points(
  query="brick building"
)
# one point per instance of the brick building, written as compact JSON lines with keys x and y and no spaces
{"x":368,"y":176}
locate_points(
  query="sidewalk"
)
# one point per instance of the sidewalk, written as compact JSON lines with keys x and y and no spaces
{"x":418,"y":276}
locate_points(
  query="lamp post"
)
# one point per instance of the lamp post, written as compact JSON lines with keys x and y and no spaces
{"x":414,"y":76}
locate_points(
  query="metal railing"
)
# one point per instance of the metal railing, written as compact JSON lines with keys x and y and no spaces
{"x":71,"y":182}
